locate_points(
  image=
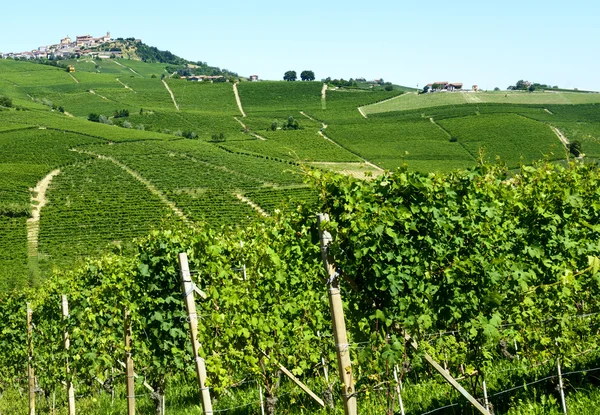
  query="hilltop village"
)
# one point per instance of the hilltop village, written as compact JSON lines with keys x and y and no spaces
{"x":65,"y":48}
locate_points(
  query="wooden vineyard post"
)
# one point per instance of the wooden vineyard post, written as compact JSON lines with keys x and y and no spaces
{"x":561,"y":387}
{"x":70,"y":389}
{"x":129,"y":365}
{"x":398,"y":389}
{"x":188,"y":293}
{"x":446,"y":375}
{"x":339,"y":325}
{"x":30,"y":372}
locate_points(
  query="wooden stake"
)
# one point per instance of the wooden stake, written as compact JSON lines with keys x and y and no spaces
{"x":298,"y":382}
{"x":485,"y":396}
{"x":448,"y":377}
{"x":560,"y":385}
{"x":30,"y":371}
{"x":339,"y":324}
{"x":129,"y":365}
{"x":262,"y":402}
{"x":325,"y":370}
{"x":190,"y":304}
{"x":398,"y":389}
{"x":70,"y":388}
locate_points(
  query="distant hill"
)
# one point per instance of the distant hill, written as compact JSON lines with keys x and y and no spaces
{"x":135,"y":49}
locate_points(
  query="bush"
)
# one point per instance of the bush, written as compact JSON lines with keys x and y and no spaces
{"x":453,"y":139}
{"x":190,"y":134}
{"x":127,"y":124}
{"x":121,"y":113}
{"x":5,"y":102}
{"x":575,"y":148}
{"x":105,"y":120}
{"x":218,"y":138}
{"x":94,"y":117}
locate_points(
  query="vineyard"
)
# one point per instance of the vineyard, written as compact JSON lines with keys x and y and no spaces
{"x":494,"y":275}
{"x":413,"y":101}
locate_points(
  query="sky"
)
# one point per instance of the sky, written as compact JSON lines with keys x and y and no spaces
{"x":488,"y":43}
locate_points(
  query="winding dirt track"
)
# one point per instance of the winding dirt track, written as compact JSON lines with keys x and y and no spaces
{"x":151,"y":188}
{"x":252,"y":204}
{"x":38,"y":201}
{"x":171,"y":93}
{"x":322,"y":134}
{"x":237,"y":99}
{"x":246,"y":128}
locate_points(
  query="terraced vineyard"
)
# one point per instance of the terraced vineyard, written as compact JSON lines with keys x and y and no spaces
{"x":194,"y":155}
{"x":92,"y":205}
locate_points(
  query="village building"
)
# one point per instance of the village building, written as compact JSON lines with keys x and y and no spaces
{"x":445,"y":86}
{"x":253,"y":78}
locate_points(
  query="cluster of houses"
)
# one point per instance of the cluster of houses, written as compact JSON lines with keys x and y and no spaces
{"x":200,"y":78}
{"x":67,"y":47}
{"x":444,"y":86}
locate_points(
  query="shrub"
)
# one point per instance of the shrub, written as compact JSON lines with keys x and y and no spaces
{"x":575,"y":148}
{"x":94,"y":117}
{"x":127,"y":124}
{"x":5,"y":102}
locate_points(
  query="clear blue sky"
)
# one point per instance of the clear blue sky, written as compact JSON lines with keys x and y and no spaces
{"x":489,"y":43}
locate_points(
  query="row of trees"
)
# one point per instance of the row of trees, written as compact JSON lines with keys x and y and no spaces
{"x":304,"y":75}
{"x":523,"y":85}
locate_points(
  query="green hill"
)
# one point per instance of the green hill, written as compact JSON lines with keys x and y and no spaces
{"x":183,"y":149}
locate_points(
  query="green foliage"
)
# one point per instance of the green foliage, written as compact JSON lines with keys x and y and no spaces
{"x":290,"y":76}
{"x":5,"y":102}
{"x":306,"y":75}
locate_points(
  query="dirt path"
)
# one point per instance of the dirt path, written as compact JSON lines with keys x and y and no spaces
{"x":367,"y":162}
{"x":252,"y":204}
{"x":360,"y":109}
{"x":323,"y":125}
{"x":249,"y":132}
{"x":94,"y":93}
{"x":171,"y":92}
{"x":548,"y":111}
{"x":324,"y":92}
{"x":237,"y":99}
{"x":151,"y":188}
{"x":561,"y":137}
{"x":471,"y":97}
{"x":75,"y":79}
{"x":322,"y":134}
{"x":126,"y":67}
{"x":38,"y":201}
{"x":440,"y":127}
{"x":358,"y":170}
{"x":126,"y":86}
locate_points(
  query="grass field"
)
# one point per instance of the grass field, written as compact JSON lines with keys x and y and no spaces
{"x":411,"y":101}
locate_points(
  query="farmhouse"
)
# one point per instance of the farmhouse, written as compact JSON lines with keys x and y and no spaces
{"x":253,"y":78}
{"x":445,"y":86}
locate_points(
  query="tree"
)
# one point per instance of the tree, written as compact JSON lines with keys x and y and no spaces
{"x":5,"y":102}
{"x":575,"y":148}
{"x":307,"y":76}
{"x":531,"y":88}
{"x":522,"y":85}
{"x":496,"y":89}
{"x":290,"y":76}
